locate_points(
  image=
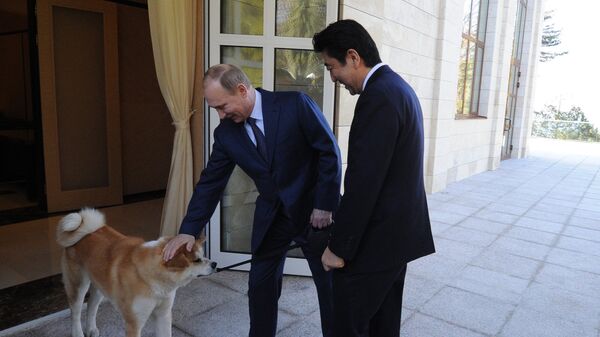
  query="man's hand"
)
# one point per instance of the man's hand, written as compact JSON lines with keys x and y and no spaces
{"x":331,"y":261}
{"x":320,"y":219}
{"x":173,"y":245}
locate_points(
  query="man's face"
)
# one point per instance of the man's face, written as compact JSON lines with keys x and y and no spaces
{"x":235,"y":106}
{"x":345,"y":74}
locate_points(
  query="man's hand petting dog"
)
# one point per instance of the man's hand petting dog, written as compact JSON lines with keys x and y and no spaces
{"x":173,"y":245}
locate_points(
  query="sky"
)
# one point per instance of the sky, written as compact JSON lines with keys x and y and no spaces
{"x":573,"y":79}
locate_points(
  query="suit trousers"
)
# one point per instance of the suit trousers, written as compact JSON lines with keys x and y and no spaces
{"x":368,"y":304}
{"x":266,"y":275}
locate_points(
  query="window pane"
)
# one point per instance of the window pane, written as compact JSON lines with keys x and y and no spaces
{"x":242,"y":17}
{"x":250,"y":60}
{"x":466,"y":16}
{"x":462,"y":67}
{"x":475,"y":18}
{"x":300,"y":18}
{"x":483,"y":13}
{"x":237,"y":204}
{"x":469,"y":78}
{"x":299,"y":70}
{"x":477,"y":81}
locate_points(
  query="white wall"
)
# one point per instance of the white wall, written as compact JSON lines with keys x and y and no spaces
{"x":421,"y":41}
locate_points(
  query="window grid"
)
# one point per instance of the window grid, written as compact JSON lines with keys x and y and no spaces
{"x":471,"y":61}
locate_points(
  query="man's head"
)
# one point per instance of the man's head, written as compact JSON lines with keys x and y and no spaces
{"x":229,"y":91}
{"x":348,"y":52}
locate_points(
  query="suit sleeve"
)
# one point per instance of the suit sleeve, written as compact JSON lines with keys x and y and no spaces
{"x":373,"y":136}
{"x":208,"y":191}
{"x":321,"y":139}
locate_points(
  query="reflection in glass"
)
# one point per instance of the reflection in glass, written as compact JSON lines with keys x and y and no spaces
{"x":466,"y":16}
{"x":477,"y":79}
{"x":300,"y":18}
{"x":462,"y":68}
{"x":237,"y":212}
{"x":469,"y":79}
{"x":299,"y":70}
{"x":249,"y":59}
{"x":242,"y":17}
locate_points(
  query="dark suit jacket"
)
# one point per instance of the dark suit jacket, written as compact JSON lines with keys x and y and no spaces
{"x":303,"y":170}
{"x":383,"y":221}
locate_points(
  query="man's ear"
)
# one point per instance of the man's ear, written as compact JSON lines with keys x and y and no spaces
{"x":353,"y":58}
{"x":243,"y":90}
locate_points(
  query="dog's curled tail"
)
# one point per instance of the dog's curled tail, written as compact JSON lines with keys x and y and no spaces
{"x":75,"y":226}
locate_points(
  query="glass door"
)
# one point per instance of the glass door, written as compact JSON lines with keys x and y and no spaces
{"x":271,"y":41}
{"x":513,"y":81}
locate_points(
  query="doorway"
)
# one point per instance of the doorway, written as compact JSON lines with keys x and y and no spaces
{"x":21,"y":172}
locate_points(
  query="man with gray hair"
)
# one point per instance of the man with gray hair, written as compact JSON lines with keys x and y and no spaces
{"x":282,"y":141}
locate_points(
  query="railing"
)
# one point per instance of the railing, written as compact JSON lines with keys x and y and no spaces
{"x":559,"y":129}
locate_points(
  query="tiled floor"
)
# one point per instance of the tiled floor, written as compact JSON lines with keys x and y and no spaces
{"x":28,"y":250}
{"x":518,"y":255}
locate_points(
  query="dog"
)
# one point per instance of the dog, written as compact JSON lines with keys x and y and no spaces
{"x":131,"y":273}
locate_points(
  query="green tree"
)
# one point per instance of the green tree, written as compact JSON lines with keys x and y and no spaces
{"x":572,"y":124}
{"x":550,"y":39}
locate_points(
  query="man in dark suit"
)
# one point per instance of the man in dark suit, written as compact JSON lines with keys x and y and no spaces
{"x":382,"y":222}
{"x":282,"y":141}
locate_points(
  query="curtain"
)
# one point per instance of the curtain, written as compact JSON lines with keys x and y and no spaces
{"x":173,"y":31}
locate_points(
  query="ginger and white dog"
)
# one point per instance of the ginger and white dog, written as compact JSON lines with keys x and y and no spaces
{"x":131,"y":273}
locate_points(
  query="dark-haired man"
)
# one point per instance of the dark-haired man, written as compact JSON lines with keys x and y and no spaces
{"x":282,"y":141}
{"x":382,"y":222}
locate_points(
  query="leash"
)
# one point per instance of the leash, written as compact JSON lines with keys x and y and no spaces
{"x":257,"y":258}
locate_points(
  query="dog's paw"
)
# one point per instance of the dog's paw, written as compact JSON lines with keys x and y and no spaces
{"x":92,"y":333}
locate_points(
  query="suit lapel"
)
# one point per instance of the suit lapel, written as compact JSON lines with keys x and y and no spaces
{"x":271,"y":122}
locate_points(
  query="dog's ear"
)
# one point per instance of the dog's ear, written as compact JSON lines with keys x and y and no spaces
{"x":179,"y":261}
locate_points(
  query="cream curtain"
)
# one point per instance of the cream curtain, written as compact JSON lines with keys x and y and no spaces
{"x":173,"y":32}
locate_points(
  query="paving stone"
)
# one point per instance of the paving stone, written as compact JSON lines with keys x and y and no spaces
{"x":446,"y":217}
{"x":547,"y":216}
{"x":501,"y":217}
{"x":484,"y":225}
{"x":507,"y":263}
{"x":470,"y":236}
{"x":456,"y":208}
{"x":575,"y":260}
{"x":585,"y":222}
{"x":422,"y":325}
{"x":455,"y":250}
{"x":506,"y":208}
{"x":438,"y":227}
{"x":541,"y":225}
{"x":468,"y":310}
{"x":436,"y":267}
{"x":199,"y":296}
{"x":530,"y":323}
{"x":543,"y":206}
{"x":562,"y":303}
{"x":532,"y":235}
{"x":579,"y":245}
{"x":587,"y":214}
{"x":418,"y":290}
{"x":584,"y":283}
{"x":582,"y":233}
{"x":495,"y":279}
{"x":521,"y":248}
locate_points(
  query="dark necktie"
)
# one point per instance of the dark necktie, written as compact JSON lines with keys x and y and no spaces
{"x":261,"y":143}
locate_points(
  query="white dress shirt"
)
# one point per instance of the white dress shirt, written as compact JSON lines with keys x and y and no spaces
{"x":375,"y":67}
{"x":257,"y":114}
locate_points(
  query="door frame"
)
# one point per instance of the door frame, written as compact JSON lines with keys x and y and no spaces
{"x":269,"y":42}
